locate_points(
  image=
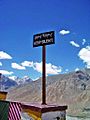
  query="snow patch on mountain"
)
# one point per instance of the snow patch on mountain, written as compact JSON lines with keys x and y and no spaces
{"x":12,"y":81}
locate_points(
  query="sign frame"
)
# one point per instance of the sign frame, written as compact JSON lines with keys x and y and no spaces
{"x":45,"y":38}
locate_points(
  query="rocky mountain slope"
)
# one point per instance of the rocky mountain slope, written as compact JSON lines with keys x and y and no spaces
{"x":7,"y":83}
{"x":72,"y":89}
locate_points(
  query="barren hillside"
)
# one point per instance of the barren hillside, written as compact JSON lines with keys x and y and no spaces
{"x":72,"y":89}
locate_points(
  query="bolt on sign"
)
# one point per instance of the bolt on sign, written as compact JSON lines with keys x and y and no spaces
{"x":43,"y":39}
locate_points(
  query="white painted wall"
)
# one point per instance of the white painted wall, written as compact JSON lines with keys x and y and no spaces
{"x":54,"y":115}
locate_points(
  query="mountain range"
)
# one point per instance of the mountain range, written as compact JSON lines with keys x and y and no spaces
{"x":72,"y":89}
{"x":7,"y":83}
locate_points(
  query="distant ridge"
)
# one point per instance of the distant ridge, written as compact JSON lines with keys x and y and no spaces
{"x":7,"y":83}
{"x":71,"y":88}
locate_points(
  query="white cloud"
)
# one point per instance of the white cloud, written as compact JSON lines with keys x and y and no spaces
{"x":17,"y":66}
{"x":0,"y":64}
{"x":12,"y":77}
{"x":36,"y":78}
{"x":50,"y":69}
{"x":88,"y":65}
{"x":38,"y":67}
{"x":64,"y":32}
{"x":27,"y":64}
{"x":77,"y":69}
{"x":84,"y":41}
{"x":5,"y":72}
{"x":67,"y":70}
{"x":4,"y":55}
{"x":84,"y":55}
{"x":74,"y":44}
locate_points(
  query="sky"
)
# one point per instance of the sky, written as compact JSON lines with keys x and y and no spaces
{"x":21,"y":19}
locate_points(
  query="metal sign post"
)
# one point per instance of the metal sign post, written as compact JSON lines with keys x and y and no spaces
{"x":43,"y":39}
{"x":44,"y":74}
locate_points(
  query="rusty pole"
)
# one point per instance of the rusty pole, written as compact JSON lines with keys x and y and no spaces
{"x":43,"y":74}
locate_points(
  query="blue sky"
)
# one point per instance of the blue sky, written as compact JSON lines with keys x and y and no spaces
{"x":21,"y":19}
